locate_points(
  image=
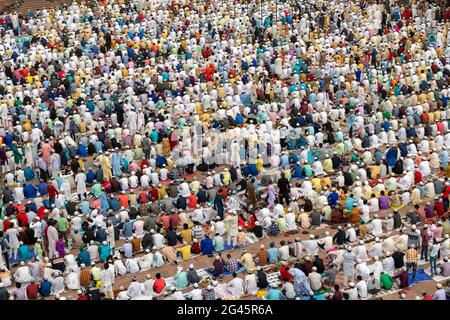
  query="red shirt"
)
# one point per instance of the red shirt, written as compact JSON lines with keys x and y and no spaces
{"x":241,"y":222}
{"x":285,"y":275}
{"x":143,"y":198}
{"x":174,"y":220}
{"x":192,"y":199}
{"x":41,"y":212}
{"x":32,"y":291}
{"x":195,"y":248}
{"x":417,"y":177}
{"x":446,"y":192}
{"x":144,"y":163}
{"x":23,"y":219}
{"x":6,"y":225}
{"x":154,"y":194}
{"x":20,"y":208}
{"x":83,"y":298}
{"x":251,"y":223}
{"x":52,"y":191}
{"x":159,"y":285}
{"x":165,"y":220}
{"x":421,"y":214}
{"x":439,"y":207}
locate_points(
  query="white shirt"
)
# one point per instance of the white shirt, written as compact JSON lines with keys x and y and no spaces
{"x":361,"y":287}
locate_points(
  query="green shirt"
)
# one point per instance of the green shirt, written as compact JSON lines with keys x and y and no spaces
{"x":97,"y":190}
{"x":62,"y":224}
{"x":181,"y":280}
{"x":386,"y":281}
{"x":308,"y":170}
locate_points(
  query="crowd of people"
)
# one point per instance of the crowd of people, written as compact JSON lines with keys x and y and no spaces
{"x":139,"y":136}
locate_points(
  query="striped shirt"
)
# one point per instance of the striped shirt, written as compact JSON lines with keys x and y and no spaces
{"x":85,"y":277}
{"x":232,"y":265}
{"x":412,"y":256}
{"x":198,"y":232}
{"x":262,"y":257}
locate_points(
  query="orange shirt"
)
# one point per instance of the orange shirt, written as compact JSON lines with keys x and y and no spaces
{"x":123,"y":199}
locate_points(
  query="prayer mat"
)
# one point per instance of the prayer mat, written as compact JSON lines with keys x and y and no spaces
{"x":321,"y":291}
{"x":260,"y":294}
{"x":420,"y":277}
{"x":228,"y":273}
{"x":317,"y":297}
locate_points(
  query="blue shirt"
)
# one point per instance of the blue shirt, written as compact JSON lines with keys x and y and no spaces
{"x":82,"y":150}
{"x":46,"y":288}
{"x":42,"y":188}
{"x":83,"y":257}
{"x":114,"y":204}
{"x":29,"y":191}
{"x":219,"y":244}
{"x":127,"y":229}
{"x":105,"y":251}
{"x":127,"y":250}
{"x":272,"y":255}
{"x":29,"y":173}
{"x":273,"y":294}
{"x":207,"y":246}
{"x":90,"y":177}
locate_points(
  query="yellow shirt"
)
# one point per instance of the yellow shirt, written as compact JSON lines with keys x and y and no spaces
{"x":186,"y":235}
{"x":316,"y":183}
{"x":185,"y":252}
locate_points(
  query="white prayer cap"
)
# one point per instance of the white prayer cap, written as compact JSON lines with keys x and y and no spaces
{"x":361,"y":241}
{"x":311,"y":236}
{"x":191,"y":266}
{"x":351,"y":284}
{"x":413,"y":227}
{"x":196,"y":285}
{"x":209,"y":287}
{"x":327,"y":233}
{"x":215,"y":283}
{"x":261,"y":246}
{"x":439,"y":285}
{"x":79,"y":292}
{"x":377,"y":239}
